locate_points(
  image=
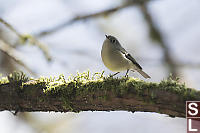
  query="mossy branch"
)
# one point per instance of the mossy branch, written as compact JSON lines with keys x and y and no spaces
{"x":95,"y":93}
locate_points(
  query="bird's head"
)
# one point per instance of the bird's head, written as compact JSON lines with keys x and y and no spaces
{"x":112,"y":40}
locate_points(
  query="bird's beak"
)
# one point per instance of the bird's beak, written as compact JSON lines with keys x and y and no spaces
{"x":106,"y":36}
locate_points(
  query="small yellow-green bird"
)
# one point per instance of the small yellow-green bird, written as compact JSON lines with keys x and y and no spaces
{"x":117,"y":59}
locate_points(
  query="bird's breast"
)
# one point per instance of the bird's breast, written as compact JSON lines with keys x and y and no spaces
{"x":113,"y":59}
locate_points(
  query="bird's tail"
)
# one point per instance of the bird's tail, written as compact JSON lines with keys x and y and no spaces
{"x":145,"y":75}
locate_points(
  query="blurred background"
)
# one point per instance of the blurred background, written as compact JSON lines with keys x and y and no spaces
{"x":52,"y":37}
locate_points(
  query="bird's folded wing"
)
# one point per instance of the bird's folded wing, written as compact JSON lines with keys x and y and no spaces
{"x":128,"y":56}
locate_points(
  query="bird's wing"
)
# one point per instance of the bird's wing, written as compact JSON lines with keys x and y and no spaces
{"x":128,"y":56}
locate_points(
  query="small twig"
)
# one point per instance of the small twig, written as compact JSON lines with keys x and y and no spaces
{"x":188,"y":64}
{"x":31,"y":39}
{"x":14,"y":54}
{"x":85,"y":17}
{"x":43,"y":47}
{"x":10,"y":27}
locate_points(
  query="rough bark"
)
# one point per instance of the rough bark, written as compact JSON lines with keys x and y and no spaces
{"x":82,"y":93}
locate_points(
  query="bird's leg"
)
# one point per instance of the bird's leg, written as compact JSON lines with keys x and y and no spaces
{"x":127,"y":73}
{"x":114,"y":74}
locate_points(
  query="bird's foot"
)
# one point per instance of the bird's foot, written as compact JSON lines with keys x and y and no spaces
{"x":126,"y":76}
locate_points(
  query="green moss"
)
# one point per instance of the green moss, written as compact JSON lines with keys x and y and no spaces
{"x":17,"y":77}
{"x":83,"y":83}
{"x":24,"y":38}
{"x":3,"y":80}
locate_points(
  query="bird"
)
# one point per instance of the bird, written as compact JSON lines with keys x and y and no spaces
{"x":117,"y":59}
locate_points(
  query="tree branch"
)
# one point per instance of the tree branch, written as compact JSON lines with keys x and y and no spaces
{"x":89,"y":16}
{"x":96,"y":93}
{"x":156,"y":35}
{"x":32,"y":40}
{"x":15,"y":55}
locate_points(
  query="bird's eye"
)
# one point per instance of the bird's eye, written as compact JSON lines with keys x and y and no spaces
{"x":113,"y":41}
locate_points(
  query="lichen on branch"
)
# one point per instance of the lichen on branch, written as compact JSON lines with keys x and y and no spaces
{"x":94,"y":92}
